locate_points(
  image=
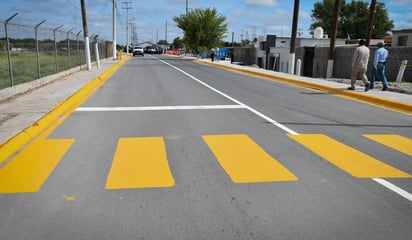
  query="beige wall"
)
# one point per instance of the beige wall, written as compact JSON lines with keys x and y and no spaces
{"x":396,"y":35}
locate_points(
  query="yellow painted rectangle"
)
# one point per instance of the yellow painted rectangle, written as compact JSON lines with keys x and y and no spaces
{"x":399,"y":143}
{"x":29,"y":169}
{"x":245,"y":161}
{"x":348,"y":159}
{"x":140,"y":163}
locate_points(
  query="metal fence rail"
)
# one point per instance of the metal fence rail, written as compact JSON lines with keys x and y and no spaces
{"x":29,"y":52}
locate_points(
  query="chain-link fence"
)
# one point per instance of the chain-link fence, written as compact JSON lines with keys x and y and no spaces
{"x":32,"y":52}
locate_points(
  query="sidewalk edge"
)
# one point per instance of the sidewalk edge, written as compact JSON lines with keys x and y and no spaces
{"x":14,"y":143}
{"x":381,"y":102}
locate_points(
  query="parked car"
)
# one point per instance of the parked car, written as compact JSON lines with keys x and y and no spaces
{"x":138,"y":51}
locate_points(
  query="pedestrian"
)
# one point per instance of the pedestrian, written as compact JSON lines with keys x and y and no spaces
{"x":359,"y":65}
{"x":379,"y":62}
{"x":212,"y":54}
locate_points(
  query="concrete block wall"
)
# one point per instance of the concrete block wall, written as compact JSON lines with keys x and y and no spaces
{"x":245,"y":55}
{"x":343,"y":58}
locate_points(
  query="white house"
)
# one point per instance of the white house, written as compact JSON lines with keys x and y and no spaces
{"x":402,"y":38}
{"x":277,"y":57}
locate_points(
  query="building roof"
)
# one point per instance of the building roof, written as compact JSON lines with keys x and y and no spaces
{"x":408,"y":30}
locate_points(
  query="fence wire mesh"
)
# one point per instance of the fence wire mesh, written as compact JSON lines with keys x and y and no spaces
{"x":39,"y":52}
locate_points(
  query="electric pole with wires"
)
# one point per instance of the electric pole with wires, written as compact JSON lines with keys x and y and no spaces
{"x":127,"y":24}
{"x":86,"y":36}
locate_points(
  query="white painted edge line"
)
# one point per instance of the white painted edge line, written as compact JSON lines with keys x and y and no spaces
{"x":157,"y":108}
{"x":277,"y":124}
{"x":394,"y":188}
{"x":383,"y":182}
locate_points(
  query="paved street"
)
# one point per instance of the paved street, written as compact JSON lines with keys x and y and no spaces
{"x":169,"y":148}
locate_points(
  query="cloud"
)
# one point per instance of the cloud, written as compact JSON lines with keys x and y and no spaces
{"x":400,"y":3}
{"x":261,"y":3}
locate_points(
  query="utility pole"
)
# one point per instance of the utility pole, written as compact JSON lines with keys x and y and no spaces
{"x":127,"y":24}
{"x":114,"y":30}
{"x":293,"y":38}
{"x":370,"y":24}
{"x":329,"y":70}
{"x":86,"y":36}
{"x":166,"y":38}
{"x":135,"y":39}
{"x":186,"y":7}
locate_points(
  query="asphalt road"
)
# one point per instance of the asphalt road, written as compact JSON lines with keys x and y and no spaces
{"x":172,"y":149}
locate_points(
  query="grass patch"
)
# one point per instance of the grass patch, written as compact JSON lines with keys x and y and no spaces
{"x":25,"y":69}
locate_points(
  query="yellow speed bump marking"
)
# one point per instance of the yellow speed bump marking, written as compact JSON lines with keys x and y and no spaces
{"x":399,"y":143}
{"x":140,"y":163}
{"x":30,"y":168}
{"x":245,"y":161}
{"x":348,"y":159}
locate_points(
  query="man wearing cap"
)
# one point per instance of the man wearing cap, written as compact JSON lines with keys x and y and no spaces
{"x":379,"y":62}
{"x":359,"y":64}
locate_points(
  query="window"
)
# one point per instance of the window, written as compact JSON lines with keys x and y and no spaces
{"x":262,"y":45}
{"x":402,"y":40}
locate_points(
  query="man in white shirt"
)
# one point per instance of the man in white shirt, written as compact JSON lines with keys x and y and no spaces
{"x":212,"y":54}
{"x":379,"y":62}
{"x":359,"y":65}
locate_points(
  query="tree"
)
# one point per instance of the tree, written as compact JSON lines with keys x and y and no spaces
{"x":162,"y":42}
{"x":178,"y":43}
{"x":322,"y":15}
{"x":353,"y":19}
{"x":381,"y":24}
{"x":203,"y":28}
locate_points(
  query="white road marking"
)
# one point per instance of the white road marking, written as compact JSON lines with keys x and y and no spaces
{"x":393,"y":188}
{"x":383,"y":182}
{"x":277,"y":124}
{"x":156,"y":108}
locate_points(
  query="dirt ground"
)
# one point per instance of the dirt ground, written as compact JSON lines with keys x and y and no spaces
{"x":401,"y":87}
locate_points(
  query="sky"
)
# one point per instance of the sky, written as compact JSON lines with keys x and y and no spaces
{"x":246,"y":19}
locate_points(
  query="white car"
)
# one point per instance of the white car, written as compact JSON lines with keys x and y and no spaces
{"x":138,"y":51}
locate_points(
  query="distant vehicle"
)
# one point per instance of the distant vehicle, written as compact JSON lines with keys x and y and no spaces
{"x":152,"y":50}
{"x":138,"y":51}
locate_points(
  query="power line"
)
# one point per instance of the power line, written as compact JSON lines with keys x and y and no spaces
{"x":76,"y":7}
{"x":127,"y":23}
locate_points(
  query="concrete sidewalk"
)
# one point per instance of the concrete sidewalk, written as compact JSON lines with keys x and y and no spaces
{"x":23,"y":111}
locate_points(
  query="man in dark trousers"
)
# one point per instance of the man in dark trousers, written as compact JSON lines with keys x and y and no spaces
{"x":212,"y":54}
{"x":379,"y":62}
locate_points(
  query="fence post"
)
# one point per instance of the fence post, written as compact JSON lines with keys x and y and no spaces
{"x":96,"y":47}
{"x":55,"y":49}
{"x":78,"y":49}
{"x":68,"y":47}
{"x":8,"y":50}
{"x":401,"y":70}
{"x":37,"y":48}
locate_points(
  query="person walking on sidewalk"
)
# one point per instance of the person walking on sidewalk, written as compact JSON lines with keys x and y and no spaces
{"x":379,"y":62}
{"x":212,"y":54}
{"x":359,"y":65}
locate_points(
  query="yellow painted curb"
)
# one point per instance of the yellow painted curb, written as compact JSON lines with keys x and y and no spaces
{"x":381,"y":102}
{"x":66,"y":107}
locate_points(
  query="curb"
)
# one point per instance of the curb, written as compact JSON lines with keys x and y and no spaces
{"x":381,"y":102}
{"x":61,"y":111}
